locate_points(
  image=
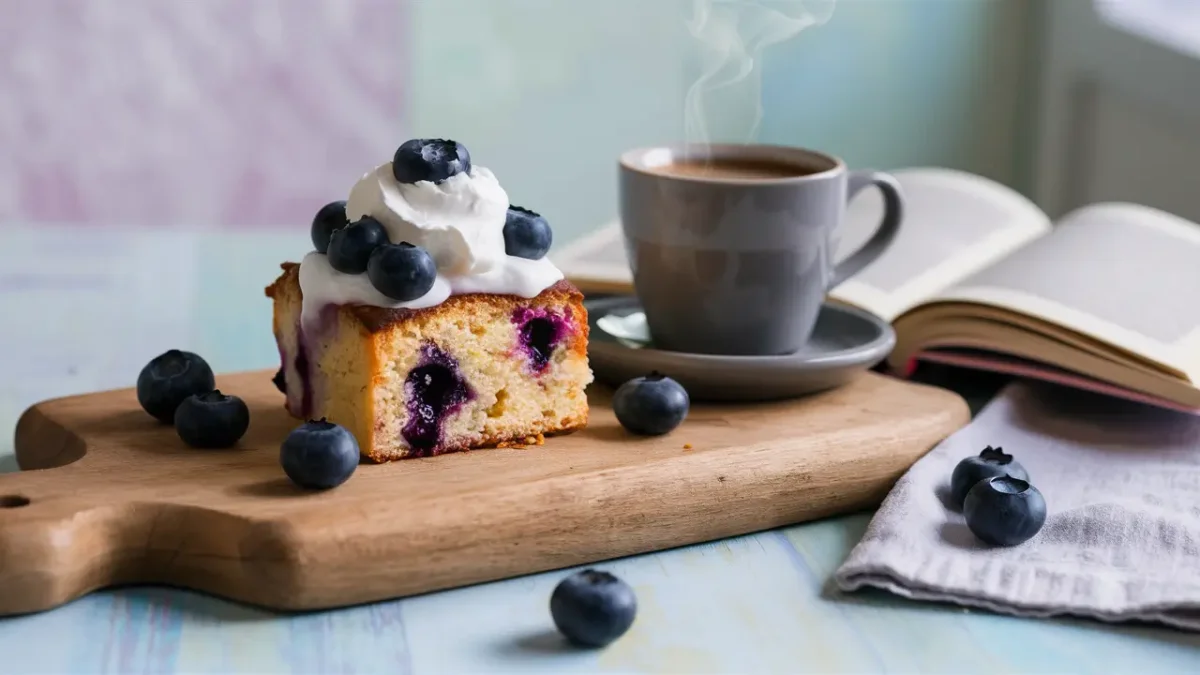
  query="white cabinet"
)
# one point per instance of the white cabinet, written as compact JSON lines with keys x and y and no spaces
{"x":1120,"y":105}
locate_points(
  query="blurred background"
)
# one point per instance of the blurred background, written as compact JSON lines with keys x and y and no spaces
{"x":159,"y":159}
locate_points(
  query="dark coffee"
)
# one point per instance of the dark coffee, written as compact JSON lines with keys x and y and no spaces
{"x":738,"y":168}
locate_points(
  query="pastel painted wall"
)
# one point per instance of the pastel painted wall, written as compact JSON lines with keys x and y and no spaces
{"x":251,"y":113}
{"x":548,"y":92}
{"x":221,"y":113}
{"x":900,"y":83}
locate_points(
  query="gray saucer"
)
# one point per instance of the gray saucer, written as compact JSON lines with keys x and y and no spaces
{"x":845,"y":342}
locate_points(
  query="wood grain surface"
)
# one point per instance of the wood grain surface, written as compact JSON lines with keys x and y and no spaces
{"x":129,"y":503}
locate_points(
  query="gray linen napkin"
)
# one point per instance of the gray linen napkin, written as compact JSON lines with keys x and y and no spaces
{"x":1122,"y":539}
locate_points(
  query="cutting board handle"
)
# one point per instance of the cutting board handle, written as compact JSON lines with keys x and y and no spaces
{"x":53,"y":545}
{"x":61,"y":539}
{"x":57,"y":522}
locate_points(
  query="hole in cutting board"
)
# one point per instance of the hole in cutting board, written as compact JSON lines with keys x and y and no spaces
{"x":13,"y":501}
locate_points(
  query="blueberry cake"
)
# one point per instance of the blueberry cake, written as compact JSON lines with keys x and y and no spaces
{"x":428,"y":319}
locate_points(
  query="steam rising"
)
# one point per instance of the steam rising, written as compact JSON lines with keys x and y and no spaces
{"x":734,"y":35}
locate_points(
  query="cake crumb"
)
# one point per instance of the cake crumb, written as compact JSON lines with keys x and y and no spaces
{"x":539,"y":439}
{"x":687,"y":446}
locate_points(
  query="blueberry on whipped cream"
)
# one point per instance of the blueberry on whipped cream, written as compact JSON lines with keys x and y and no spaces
{"x":331,"y":217}
{"x":526,"y":234}
{"x":423,"y":227}
{"x":350,"y":248}
{"x":430,"y":159}
{"x":401,"y":271}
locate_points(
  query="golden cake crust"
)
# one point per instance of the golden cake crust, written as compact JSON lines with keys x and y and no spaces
{"x":378,"y":319}
{"x":376,"y":330}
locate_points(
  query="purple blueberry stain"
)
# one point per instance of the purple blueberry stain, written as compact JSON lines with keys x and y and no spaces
{"x":280,"y":379}
{"x":302,"y":364}
{"x":539,"y":332}
{"x":308,"y":332}
{"x":433,"y":391}
{"x":306,"y":388}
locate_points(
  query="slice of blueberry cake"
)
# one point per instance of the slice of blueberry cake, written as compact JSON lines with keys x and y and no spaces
{"x":428,"y":319}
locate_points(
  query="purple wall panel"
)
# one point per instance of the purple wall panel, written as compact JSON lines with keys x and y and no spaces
{"x":210,"y":113}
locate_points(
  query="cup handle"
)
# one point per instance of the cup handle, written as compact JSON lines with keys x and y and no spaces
{"x":889,"y":227}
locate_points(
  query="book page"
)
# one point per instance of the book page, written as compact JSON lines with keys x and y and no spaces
{"x":955,"y":223}
{"x":1123,"y":274}
{"x":596,"y":260}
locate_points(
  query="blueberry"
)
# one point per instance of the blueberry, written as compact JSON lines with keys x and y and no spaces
{"x":988,"y":464}
{"x":652,"y":405}
{"x":433,"y":392}
{"x":592,"y":608}
{"x":212,"y":420}
{"x":350,"y":248}
{"x":168,"y":379}
{"x":1004,"y":511}
{"x":331,"y":217}
{"x":539,"y":333}
{"x":526,"y":234}
{"x":431,"y":159}
{"x":319,"y":455}
{"x":401,"y":271}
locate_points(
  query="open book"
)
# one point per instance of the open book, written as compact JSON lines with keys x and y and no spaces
{"x":1106,"y":299}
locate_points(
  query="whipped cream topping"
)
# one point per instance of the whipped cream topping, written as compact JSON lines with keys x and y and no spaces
{"x":459,"y":221}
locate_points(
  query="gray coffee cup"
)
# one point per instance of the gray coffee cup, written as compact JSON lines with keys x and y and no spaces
{"x":732,"y":246}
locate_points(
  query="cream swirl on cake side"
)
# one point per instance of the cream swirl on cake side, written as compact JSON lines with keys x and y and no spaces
{"x":463,"y":221}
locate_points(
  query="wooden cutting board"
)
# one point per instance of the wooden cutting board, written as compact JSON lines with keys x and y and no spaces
{"x":111,"y":497}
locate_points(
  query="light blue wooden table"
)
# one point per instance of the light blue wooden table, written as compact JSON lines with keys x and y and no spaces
{"x":761,"y":603}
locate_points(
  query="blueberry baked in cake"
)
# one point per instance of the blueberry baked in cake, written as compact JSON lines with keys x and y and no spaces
{"x":428,"y":319}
